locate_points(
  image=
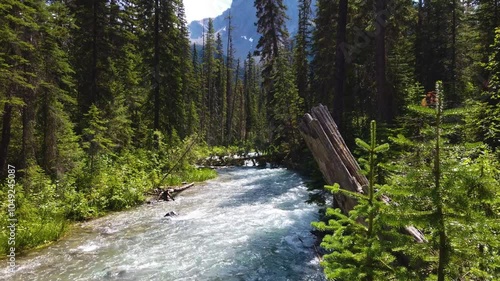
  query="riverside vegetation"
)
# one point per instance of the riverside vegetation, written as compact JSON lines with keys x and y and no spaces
{"x":115,"y":182}
{"x":447,"y":190}
{"x":99,"y":99}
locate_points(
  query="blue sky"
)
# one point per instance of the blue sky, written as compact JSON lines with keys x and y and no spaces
{"x":199,"y":9}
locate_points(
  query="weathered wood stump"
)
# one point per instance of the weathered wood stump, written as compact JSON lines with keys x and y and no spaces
{"x":335,"y":161}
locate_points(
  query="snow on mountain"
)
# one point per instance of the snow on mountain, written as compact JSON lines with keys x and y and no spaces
{"x":245,"y":36}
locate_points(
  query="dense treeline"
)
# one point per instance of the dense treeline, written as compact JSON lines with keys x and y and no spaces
{"x":426,"y":70}
{"x":99,"y":99}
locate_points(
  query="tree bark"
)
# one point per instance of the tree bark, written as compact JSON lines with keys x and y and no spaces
{"x":156,"y":63}
{"x":50,"y":137}
{"x":454,"y":53}
{"x":340,"y":64}
{"x":336,"y":162}
{"x":28,"y":142}
{"x":4,"y":143}
{"x":93,"y":92}
{"x":384,"y":99}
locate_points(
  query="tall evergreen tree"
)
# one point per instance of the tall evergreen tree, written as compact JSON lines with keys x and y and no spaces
{"x":185,"y":70}
{"x":287,"y":105}
{"x":434,"y":46}
{"x":59,"y":143}
{"x":340,"y":72}
{"x":323,"y":63}
{"x":271,"y":15}
{"x":209,"y":70}
{"x":249,"y":92}
{"x":220,"y":91}
{"x":167,"y":55}
{"x":90,"y":52}
{"x":19,"y":41}
{"x":229,"y":80}
{"x":302,"y":52}
{"x":385,"y":100}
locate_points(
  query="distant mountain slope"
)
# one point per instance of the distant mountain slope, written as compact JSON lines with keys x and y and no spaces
{"x":245,"y":36}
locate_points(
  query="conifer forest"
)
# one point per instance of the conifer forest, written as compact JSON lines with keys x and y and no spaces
{"x":103,"y":102}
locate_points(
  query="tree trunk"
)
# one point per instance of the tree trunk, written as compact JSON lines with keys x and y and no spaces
{"x":50,"y":137}
{"x":384,"y":99}
{"x":156,"y":65}
{"x":340,"y":64}
{"x":454,"y":53}
{"x":419,"y":44}
{"x":28,"y":142}
{"x":93,"y":92}
{"x":4,"y":143}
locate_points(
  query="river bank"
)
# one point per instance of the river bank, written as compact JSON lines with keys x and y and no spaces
{"x":232,"y":228}
{"x":47,"y":216}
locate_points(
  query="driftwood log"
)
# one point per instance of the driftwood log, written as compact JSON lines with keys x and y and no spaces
{"x":336,"y":162}
{"x":184,"y":187}
{"x":167,"y":192}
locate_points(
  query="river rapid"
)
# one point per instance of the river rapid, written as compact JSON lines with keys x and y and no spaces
{"x":248,"y":224}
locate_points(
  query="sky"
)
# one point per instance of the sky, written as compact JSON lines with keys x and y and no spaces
{"x":200,"y":9}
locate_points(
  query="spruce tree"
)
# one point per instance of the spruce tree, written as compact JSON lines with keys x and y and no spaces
{"x":302,"y":53}
{"x":229,"y":81}
{"x":95,"y":140}
{"x":209,"y":74}
{"x":385,"y":99}
{"x":17,"y":70}
{"x":165,"y":48}
{"x":90,"y":47}
{"x":287,"y":105}
{"x":271,"y":15}
{"x":443,"y":189}
{"x":323,"y":63}
{"x":363,"y":245}
{"x":341,"y":58}
{"x":485,"y":123}
{"x":220,"y":92}
{"x":55,"y":99}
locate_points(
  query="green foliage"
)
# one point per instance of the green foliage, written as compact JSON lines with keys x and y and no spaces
{"x":39,"y":211}
{"x":100,"y":103}
{"x":484,"y":123}
{"x":450,"y":192}
{"x":286,"y":106}
{"x":45,"y":205}
{"x":95,"y":136}
{"x":363,"y":244}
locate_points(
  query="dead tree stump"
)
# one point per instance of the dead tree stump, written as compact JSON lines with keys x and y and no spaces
{"x":336,"y":162}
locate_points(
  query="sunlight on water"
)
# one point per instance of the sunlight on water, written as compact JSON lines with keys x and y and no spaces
{"x":249,"y":224}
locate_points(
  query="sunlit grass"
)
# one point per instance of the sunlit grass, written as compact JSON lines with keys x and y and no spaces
{"x":191,"y":175}
{"x":31,"y":234}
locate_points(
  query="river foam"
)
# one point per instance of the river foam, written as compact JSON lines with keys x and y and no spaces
{"x":248,"y":224}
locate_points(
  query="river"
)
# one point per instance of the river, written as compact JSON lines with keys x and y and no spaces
{"x":248,"y":224}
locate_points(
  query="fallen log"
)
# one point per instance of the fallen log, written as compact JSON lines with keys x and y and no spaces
{"x":336,"y":162}
{"x":184,"y":187}
{"x":167,"y":193}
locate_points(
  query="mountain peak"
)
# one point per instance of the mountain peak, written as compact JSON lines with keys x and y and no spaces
{"x":245,"y":35}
